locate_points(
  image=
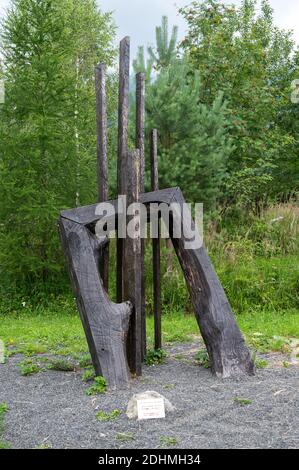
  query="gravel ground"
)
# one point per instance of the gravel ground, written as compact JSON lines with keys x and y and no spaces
{"x":51,"y":409}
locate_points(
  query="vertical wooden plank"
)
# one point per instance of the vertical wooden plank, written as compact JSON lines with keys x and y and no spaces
{"x":140,"y":123}
{"x":123,"y":119}
{"x":102,"y":158}
{"x":105,"y":323}
{"x":156,"y":243}
{"x":154,"y":160}
{"x":132,"y":267}
{"x":101,"y":113}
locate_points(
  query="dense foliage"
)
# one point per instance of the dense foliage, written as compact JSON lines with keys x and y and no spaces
{"x":243,"y":53}
{"x":228,"y":136}
{"x":47,"y":145}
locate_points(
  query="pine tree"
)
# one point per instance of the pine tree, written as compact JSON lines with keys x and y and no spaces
{"x":194,"y":145}
{"x":47,"y":145}
{"x":141,"y":64}
{"x":165,"y":50}
{"x":240,"y":50}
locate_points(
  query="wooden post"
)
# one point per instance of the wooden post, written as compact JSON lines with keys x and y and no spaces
{"x":102,"y":159}
{"x":156,"y":243}
{"x":123,"y":120}
{"x":132,"y":267}
{"x":105,"y":323}
{"x":227,"y":350}
{"x":140,"y":122}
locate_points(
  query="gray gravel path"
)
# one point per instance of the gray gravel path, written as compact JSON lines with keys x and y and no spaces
{"x":50,"y":409}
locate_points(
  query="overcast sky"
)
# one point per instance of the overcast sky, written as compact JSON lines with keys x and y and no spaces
{"x":138,"y":18}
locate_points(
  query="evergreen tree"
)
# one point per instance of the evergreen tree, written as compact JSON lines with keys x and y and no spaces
{"x":165,"y":50}
{"x":47,"y":145}
{"x":141,"y":64}
{"x":241,"y":52}
{"x":194,"y":146}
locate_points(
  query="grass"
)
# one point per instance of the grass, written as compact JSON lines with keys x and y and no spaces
{"x":88,"y":374}
{"x":166,"y":441}
{"x":202,"y":358}
{"x":155,"y":357}
{"x":3,"y":410}
{"x":28,"y":367}
{"x":124,"y":436}
{"x":103,"y":416}
{"x":62,"y":333}
{"x":61,"y":365}
{"x":98,"y":387}
{"x":242,"y":401}
{"x":263,"y":291}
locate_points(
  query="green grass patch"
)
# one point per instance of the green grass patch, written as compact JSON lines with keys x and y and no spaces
{"x":242,"y":401}
{"x":103,"y":416}
{"x":166,"y":441}
{"x":260,"y":363}
{"x":61,"y":333}
{"x":176,"y":327}
{"x":3,"y":410}
{"x":98,"y":387}
{"x":124,"y":436}
{"x":202,"y":358}
{"x":61,"y":365}
{"x":29,"y":367}
{"x":155,"y":357}
{"x":88,"y":375}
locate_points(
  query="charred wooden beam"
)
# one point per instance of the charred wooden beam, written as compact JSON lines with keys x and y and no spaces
{"x":123,"y":122}
{"x":105,"y":323}
{"x":225,"y":344}
{"x":140,"y":122}
{"x":156,"y":243}
{"x":102,"y":158}
{"x":227,"y":350}
{"x":132,"y":277}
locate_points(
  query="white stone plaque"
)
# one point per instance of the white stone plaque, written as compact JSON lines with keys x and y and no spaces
{"x":151,"y":408}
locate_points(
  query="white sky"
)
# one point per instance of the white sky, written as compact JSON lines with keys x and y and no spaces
{"x":138,"y":18}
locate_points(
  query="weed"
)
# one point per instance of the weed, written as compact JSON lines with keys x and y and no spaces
{"x":179,"y":357}
{"x":242,"y":401}
{"x":98,"y":387}
{"x":202,"y":358}
{"x":154,"y":357}
{"x":61,"y":365}
{"x":88,"y":375}
{"x":260,"y":363}
{"x":28,"y":367}
{"x":102,"y":416}
{"x":44,"y":445}
{"x":3,"y":410}
{"x":169,"y":386}
{"x":85,"y":361}
{"x":286,"y":364}
{"x":265,"y":343}
{"x":124,"y":436}
{"x":166,"y":441}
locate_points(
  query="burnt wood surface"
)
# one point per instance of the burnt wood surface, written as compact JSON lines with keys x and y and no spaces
{"x":105,"y":323}
{"x":123,"y":122}
{"x":132,"y":276}
{"x":156,"y":243}
{"x":102,"y":158}
{"x":140,"y":123}
{"x":228,"y":352}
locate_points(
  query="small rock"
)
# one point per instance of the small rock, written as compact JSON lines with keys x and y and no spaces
{"x":132,"y":412}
